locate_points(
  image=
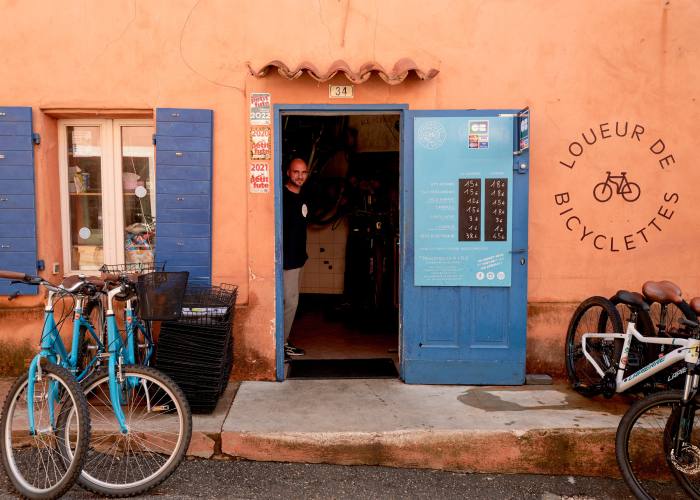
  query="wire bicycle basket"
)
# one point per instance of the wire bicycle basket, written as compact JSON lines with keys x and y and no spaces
{"x":160,"y":295}
{"x":133,"y":267}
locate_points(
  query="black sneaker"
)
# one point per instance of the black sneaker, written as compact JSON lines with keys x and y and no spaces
{"x":292,"y":350}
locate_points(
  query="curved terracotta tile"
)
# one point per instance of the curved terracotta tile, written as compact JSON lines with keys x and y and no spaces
{"x":399,"y":73}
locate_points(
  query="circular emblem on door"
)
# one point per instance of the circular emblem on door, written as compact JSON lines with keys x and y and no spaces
{"x":431,"y":134}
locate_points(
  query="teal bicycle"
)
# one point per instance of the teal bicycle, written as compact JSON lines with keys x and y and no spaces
{"x":141,"y":420}
{"x":32,"y":424}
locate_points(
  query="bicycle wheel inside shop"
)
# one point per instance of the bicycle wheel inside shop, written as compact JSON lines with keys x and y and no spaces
{"x":347,"y":319}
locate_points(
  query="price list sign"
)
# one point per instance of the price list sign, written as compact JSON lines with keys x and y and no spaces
{"x":462,"y":232}
{"x":496,"y":209}
{"x":469,"y":209}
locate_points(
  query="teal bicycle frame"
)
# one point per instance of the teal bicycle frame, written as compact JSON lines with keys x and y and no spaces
{"x":120,"y":354}
{"x":53,"y":349}
{"x":133,"y":325}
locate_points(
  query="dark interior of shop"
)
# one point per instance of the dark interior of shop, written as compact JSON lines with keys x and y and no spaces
{"x":347,"y":320}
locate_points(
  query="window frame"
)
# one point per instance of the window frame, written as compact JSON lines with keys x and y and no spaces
{"x":112,"y":188}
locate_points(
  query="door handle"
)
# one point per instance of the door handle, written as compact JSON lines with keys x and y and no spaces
{"x":519,"y":250}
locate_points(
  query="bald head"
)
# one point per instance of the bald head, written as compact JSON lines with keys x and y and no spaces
{"x":297,"y":172}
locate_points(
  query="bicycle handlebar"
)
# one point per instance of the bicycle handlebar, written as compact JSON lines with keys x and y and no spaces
{"x":12,"y":275}
{"x":71,"y":285}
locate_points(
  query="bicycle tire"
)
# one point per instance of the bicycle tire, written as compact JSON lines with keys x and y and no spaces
{"x":642,"y":446}
{"x":582,"y":375}
{"x":44,"y":447}
{"x":140,"y":440}
{"x":640,"y":354}
{"x":690,"y":456}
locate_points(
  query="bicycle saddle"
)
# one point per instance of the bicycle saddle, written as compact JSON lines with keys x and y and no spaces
{"x":631,"y":299}
{"x":695,"y":305}
{"x":663,"y":292}
{"x":75,"y":283}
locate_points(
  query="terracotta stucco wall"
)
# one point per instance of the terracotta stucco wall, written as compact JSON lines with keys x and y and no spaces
{"x":581,"y":67}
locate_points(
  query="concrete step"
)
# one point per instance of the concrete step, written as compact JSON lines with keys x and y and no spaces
{"x":530,"y":429}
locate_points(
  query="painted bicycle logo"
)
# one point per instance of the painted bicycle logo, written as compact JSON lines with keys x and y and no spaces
{"x":616,"y":184}
{"x":608,"y":226}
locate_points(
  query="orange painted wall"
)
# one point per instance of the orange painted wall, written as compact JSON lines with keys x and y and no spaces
{"x":577,"y":65}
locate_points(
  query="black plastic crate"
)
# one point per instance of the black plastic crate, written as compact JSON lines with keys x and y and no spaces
{"x":196,"y":350}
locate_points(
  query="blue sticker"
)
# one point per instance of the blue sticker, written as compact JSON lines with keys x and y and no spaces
{"x":462,"y":198}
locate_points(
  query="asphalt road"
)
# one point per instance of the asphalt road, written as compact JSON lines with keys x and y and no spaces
{"x":258,"y":480}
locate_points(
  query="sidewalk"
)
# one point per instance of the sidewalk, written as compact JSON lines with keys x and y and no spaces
{"x":528,"y":429}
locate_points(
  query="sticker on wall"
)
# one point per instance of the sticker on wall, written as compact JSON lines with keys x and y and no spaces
{"x":259,"y":178}
{"x":260,"y":109}
{"x":431,"y":134}
{"x":478,"y":134}
{"x":260,"y":148}
{"x":617,"y":187}
{"x":524,"y":136}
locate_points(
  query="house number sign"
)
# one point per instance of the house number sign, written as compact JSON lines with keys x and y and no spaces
{"x":341,"y":91}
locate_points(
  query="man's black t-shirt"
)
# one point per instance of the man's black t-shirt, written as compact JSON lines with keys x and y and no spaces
{"x":294,"y":229}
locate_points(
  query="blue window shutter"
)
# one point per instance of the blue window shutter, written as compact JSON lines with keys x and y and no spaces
{"x":17,"y":208}
{"x":184,"y":140}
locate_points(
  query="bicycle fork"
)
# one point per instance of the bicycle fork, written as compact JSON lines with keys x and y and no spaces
{"x":114,"y":367}
{"x":49,"y":344}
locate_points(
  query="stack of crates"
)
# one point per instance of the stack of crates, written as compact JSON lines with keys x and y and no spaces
{"x":197,"y":350}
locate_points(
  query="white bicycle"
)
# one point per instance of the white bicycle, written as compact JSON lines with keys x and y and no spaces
{"x":612,"y":377}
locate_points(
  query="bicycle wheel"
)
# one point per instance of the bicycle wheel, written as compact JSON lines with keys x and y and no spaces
{"x":159,"y":430}
{"x":640,"y":354}
{"x":586,"y":319}
{"x":35,"y":464}
{"x":642,"y":447}
{"x":685,"y":466}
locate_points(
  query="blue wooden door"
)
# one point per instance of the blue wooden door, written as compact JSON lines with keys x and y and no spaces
{"x":464,"y":247}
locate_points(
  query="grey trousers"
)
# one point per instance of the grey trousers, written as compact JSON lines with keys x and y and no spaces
{"x":291,"y":279}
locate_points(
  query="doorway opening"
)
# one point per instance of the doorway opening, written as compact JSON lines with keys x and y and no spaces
{"x":347,"y":321}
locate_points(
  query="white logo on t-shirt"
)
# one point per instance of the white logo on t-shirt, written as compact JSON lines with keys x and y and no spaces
{"x":304,"y":209}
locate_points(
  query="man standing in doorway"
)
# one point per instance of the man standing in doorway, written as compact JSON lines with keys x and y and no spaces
{"x":294,"y":245}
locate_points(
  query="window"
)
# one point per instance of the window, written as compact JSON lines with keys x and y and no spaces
{"x":107,"y":173}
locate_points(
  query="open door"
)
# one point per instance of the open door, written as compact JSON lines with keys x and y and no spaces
{"x":464,"y":247}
